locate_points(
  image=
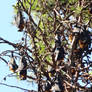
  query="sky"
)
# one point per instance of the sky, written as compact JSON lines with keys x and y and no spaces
{"x":9,"y":32}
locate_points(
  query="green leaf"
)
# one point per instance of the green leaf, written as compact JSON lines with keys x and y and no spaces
{"x":41,"y":25}
{"x":34,"y":5}
{"x":41,"y":47}
{"x":63,"y":1}
{"x":78,"y":9}
{"x":72,"y":1}
{"x":72,"y":8}
{"x":85,"y":17}
{"x":90,"y":72}
{"x":15,"y":8}
{"x":48,"y":58}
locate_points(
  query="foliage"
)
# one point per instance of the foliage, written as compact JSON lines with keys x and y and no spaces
{"x":41,"y":21}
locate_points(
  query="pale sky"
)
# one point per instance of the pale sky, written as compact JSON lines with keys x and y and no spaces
{"x":9,"y":32}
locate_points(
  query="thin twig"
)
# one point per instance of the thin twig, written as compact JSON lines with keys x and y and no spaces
{"x":14,"y":86}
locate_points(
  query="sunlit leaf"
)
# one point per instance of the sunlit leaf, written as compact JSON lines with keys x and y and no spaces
{"x":34,"y":5}
{"x":78,"y":9}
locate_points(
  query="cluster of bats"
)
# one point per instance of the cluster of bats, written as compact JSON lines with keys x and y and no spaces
{"x":80,"y":40}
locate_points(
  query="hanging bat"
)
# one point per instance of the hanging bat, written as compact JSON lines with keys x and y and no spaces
{"x":22,"y":68}
{"x":19,"y":19}
{"x":58,"y":49}
{"x":12,"y":64}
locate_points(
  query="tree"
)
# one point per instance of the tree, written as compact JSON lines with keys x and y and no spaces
{"x":56,"y":46}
